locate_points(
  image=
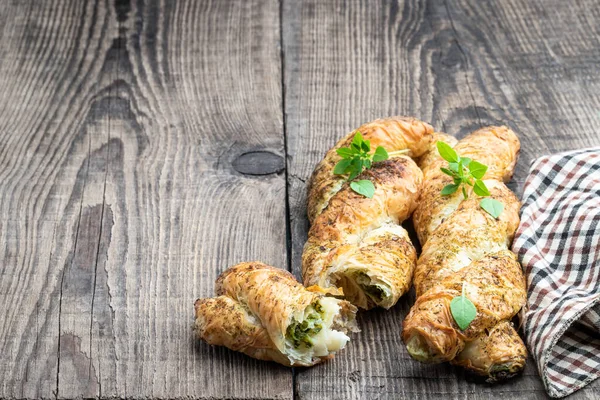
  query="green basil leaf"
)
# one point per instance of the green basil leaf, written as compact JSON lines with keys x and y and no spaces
{"x":367,"y":163}
{"x":460,"y":169}
{"x":358,"y":139}
{"x":492,"y":207}
{"x":449,"y":189}
{"x":447,"y":152}
{"x":453,"y":167}
{"x":480,"y":189}
{"x":366,"y":146}
{"x":463,"y":311}
{"x":457,"y":180}
{"x":466,"y":161}
{"x":356,"y":167}
{"x":342,"y":167}
{"x":477,"y":169}
{"x":447,"y":171}
{"x":380,"y":154}
{"x":345,"y":152}
{"x":364,"y":187}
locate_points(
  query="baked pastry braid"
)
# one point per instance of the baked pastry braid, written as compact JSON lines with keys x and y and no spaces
{"x":463,"y":245}
{"x":356,"y":243}
{"x":265,"y":313}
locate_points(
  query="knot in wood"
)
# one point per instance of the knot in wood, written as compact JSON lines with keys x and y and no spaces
{"x":259,"y":163}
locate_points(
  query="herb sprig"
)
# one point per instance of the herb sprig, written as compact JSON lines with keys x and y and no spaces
{"x":465,"y":173}
{"x":463,"y":310}
{"x":357,"y":158}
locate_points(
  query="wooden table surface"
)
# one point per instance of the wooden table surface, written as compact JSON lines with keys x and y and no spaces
{"x":145,"y":146}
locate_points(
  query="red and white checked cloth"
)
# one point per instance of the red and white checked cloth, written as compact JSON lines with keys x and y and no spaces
{"x":558,"y":243}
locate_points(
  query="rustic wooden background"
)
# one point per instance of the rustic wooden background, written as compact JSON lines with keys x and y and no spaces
{"x":145,"y":146}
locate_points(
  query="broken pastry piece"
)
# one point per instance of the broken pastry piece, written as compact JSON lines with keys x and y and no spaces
{"x":262,"y":311}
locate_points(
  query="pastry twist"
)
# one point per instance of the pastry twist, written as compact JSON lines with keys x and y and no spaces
{"x":356,"y":243}
{"x":465,"y":246}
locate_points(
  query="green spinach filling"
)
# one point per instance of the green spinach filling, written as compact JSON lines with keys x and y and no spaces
{"x":300,"y":333}
{"x":375,"y":292}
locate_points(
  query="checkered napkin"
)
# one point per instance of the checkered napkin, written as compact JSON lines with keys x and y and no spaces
{"x":558,"y":243}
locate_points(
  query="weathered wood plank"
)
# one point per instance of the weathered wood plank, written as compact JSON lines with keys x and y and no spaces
{"x":202,"y":80}
{"x":129,"y":135}
{"x":460,"y":65}
{"x":533,"y":65}
{"x":141,"y":155}
{"x":48,"y":81}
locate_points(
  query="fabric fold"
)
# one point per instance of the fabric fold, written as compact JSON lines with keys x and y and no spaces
{"x":558,"y":243}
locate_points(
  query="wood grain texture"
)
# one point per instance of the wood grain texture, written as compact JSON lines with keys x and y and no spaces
{"x":142,"y":152}
{"x":460,"y":65}
{"x":120,"y":125}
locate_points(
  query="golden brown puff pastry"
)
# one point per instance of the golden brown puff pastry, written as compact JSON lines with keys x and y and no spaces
{"x":467,"y":234}
{"x":356,"y":243}
{"x":496,"y":147}
{"x":457,"y":235}
{"x":496,"y":286}
{"x":498,"y":353}
{"x":393,"y":133}
{"x":427,"y":217}
{"x":265,"y":313}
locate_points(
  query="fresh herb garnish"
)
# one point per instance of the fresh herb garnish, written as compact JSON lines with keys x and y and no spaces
{"x":356,"y":158}
{"x":364,"y":187}
{"x":463,"y":310}
{"x":493,"y":207}
{"x":466,"y":172}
